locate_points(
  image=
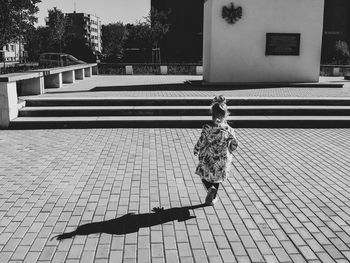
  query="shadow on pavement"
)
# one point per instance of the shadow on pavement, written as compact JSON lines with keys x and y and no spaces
{"x":131,"y":222}
{"x":200,"y":86}
{"x":189,"y":85}
{"x":170,"y":86}
{"x":145,"y":87}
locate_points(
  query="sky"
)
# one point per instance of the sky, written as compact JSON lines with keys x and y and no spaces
{"x":109,"y":11}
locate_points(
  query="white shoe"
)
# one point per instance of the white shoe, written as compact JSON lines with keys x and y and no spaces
{"x":210,"y":195}
{"x":215,"y":200}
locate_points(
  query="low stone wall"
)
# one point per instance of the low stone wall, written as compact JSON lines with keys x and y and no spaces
{"x":150,"y":69}
{"x":34,"y":82}
{"x":334,"y":70}
{"x":188,"y":69}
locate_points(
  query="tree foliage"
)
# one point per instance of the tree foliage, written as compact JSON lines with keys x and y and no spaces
{"x":119,"y":40}
{"x":159,"y":26}
{"x":114,"y":36}
{"x":150,"y":32}
{"x":139,"y":35}
{"x":57,"y":26}
{"x":16,"y":17}
{"x":54,"y":38}
{"x":341,"y":52}
{"x":79,"y":48}
{"x":37,"y":42}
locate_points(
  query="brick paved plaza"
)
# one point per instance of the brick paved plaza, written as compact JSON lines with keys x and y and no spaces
{"x":133,"y":86}
{"x":287,"y":201}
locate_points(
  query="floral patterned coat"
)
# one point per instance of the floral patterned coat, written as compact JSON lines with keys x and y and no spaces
{"x":214,"y":148}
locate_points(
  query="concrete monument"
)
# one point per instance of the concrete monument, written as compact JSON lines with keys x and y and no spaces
{"x":262,"y":40}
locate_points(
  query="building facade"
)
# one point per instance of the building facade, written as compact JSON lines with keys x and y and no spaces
{"x":184,"y":41}
{"x":85,"y":26}
{"x":12,"y":52}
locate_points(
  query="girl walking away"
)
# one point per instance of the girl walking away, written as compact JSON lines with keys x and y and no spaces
{"x":214,"y":149}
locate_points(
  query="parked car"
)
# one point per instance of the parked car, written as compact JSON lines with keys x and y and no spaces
{"x":58,"y":59}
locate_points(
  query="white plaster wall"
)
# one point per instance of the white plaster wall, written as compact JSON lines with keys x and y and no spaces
{"x":236,"y":53}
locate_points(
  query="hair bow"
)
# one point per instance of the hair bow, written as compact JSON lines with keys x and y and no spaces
{"x":221,"y":100}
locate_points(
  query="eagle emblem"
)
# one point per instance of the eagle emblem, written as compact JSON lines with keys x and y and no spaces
{"x":231,"y":14}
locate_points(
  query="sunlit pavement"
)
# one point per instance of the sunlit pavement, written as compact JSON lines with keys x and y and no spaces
{"x":287,"y":200}
{"x":133,"y":86}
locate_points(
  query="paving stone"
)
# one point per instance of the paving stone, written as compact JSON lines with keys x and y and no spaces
{"x":88,"y":256}
{"x":287,"y":200}
{"x":5,"y":256}
{"x":243,"y":259}
{"x":115,"y":81}
{"x":102,"y":251}
{"x":307,"y":253}
{"x":184,"y":250}
{"x":281,"y":255}
{"x":297,"y":258}
{"x":47,"y":253}
{"x":169,"y":242}
{"x":75,"y":252}
{"x":157,"y":251}
{"x":20,"y":253}
{"x":34,"y":256}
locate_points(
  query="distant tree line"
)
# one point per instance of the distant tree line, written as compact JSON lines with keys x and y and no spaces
{"x":54,"y":37}
{"x":135,"y":42}
{"x":120,"y":42}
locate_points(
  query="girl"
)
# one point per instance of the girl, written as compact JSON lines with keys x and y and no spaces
{"x":214,"y":149}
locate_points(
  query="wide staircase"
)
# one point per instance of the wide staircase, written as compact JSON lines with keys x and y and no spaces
{"x":180,"y":112}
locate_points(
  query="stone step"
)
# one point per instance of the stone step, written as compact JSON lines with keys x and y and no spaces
{"x":179,"y":122}
{"x":62,"y":111}
{"x":178,"y":101}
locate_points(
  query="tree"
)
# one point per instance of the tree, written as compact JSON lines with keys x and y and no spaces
{"x":158,"y":21}
{"x":138,"y":35}
{"x":57,"y":26}
{"x":80,"y":49}
{"x":37,"y":42}
{"x":16,"y":16}
{"x":114,"y":36}
{"x":341,"y":52}
{"x":145,"y":36}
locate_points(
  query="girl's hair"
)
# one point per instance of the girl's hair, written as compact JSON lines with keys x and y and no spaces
{"x":219,"y":108}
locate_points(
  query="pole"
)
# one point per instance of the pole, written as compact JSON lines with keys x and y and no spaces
{"x":19,"y":49}
{"x":4,"y":58}
{"x":20,"y":38}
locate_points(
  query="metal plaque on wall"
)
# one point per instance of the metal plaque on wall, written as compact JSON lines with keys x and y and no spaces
{"x":282,"y":44}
